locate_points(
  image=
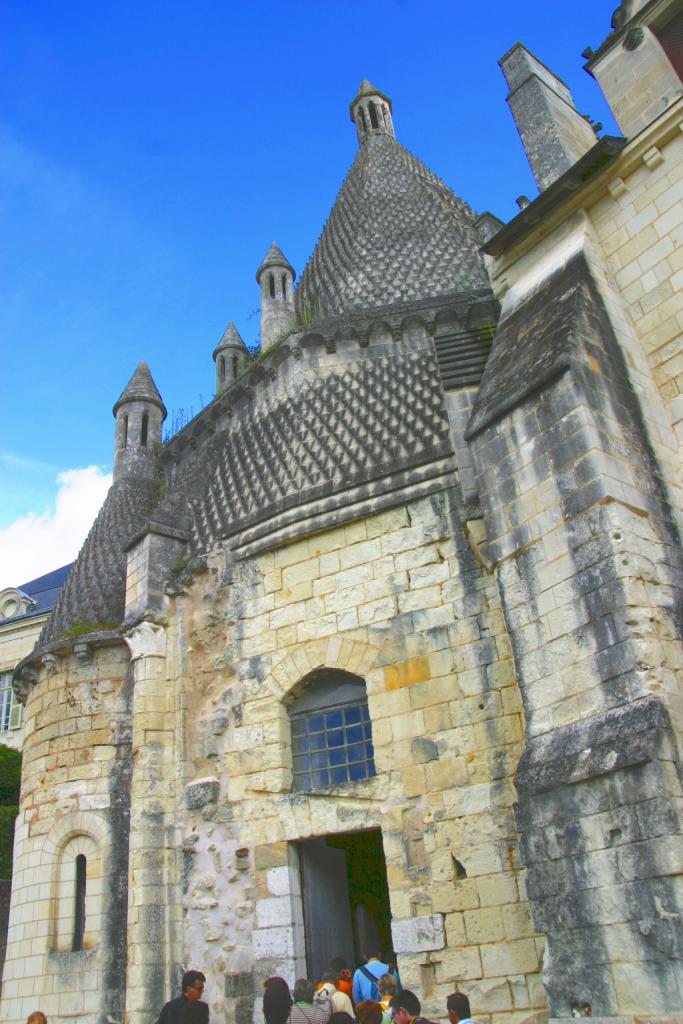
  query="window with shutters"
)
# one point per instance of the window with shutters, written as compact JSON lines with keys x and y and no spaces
{"x":10,"y":708}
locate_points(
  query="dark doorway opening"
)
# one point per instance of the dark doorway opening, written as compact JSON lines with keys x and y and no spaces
{"x":345,"y":898}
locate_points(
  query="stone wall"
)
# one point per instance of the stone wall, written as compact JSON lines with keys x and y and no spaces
{"x":400,"y":598}
{"x":585,"y":541}
{"x":639,"y":224}
{"x":75,"y":784}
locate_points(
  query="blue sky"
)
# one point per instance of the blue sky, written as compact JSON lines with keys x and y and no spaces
{"x":151,"y":151}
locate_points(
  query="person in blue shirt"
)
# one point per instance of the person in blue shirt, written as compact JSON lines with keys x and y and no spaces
{"x":365,"y":978}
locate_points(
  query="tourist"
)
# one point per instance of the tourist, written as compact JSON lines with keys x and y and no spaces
{"x":406,"y":1008}
{"x":305,"y":1009}
{"x":341,"y":1002}
{"x":277,"y":1000}
{"x":344,"y":975}
{"x":342,"y":1018}
{"x":192,"y":987}
{"x":195,"y":1012}
{"x":369,"y":1012}
{"x":365,"y":979}
{"x":387,"y":990}
{"x":458,"y":1006}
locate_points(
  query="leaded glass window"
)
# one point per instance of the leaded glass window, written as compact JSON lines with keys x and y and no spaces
{"x":331,"y":732}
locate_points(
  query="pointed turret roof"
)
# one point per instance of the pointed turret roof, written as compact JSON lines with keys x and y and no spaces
{"x":231,"y":339}
{"x":366,"y":88}
{"x":275,"y":258}
{"x":141,"y":388}
{"x":396,"y":233}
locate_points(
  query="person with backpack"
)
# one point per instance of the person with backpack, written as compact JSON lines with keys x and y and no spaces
{"x":308,"y":1008}
{"x":341,"y":1003}
{"x":366,"y":977}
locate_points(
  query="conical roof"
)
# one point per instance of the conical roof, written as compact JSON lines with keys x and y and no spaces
{"x":231,"y":339}
{"x":366,"y":88}
{"x":396,"y":233}
{"x":275,"y":258}
{"x":141,"y":388}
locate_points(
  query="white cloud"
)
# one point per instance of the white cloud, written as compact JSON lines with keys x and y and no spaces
{"x":36,"y":544}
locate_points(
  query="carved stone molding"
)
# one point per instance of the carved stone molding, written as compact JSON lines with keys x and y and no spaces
{"x":146,"y":640}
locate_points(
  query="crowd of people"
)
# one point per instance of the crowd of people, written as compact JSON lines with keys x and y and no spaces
{"x":373,"y":994}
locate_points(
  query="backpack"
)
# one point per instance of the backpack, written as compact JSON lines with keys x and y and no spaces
{"x":323,"y":999}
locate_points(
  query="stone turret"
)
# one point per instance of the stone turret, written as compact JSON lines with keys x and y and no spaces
{"x":139,"y":414}
{"x":276,"y":279}
{"x":371,"y":112}
{"x":228,"y":355}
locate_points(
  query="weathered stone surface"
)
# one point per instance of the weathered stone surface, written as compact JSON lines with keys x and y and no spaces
{"x":201,"y":792}
{"x":418,"y":934}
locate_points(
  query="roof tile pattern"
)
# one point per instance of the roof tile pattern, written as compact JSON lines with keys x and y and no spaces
{"x":365,"y":422}
{"x":396,"y":233}
{"x":94,"y":593}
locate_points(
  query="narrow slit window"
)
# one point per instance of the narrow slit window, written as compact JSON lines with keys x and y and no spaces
{"x":235,"y":365}
{"x":79,"y":903}
{"x":363,"y":122}
{"x":124,"y":435}
{"x":143,"y":430}
{"x":284,"y":287}
{"x":374,"y":120}
{"x":271,"y":285}
{"x":221,"y":368}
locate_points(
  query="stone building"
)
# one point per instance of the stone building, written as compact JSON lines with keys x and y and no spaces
{"x":23,"y":613}
{"x":385,"y":645}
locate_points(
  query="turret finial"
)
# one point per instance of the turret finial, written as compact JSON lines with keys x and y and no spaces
{"x":371,"y":112}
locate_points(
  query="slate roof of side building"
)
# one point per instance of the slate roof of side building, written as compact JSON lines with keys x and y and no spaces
{"x":312,"y":438}
{"x":43,"y":590}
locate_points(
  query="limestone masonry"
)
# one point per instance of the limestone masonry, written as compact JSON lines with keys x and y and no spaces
{"x":398,"y":616}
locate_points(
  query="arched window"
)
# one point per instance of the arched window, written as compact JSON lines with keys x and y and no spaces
{"x":374,"y":120}
{"x":124,"y":431}
{"x":331,"y":731}
{"x":271,"y":286}
{"x":143,"y":430}
{"x":78,"y":904}
{"x":221,"y":368}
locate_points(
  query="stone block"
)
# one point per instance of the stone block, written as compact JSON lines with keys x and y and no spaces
{"x":406,"y":673}
{"x":505,"y":958}
{"x":271,"y":943}
{"x":418,"y":934}
{"x":273,"y":912}
{"x":201,"y":792}
{"x":282,"y":881}
{"x":237,"y":985}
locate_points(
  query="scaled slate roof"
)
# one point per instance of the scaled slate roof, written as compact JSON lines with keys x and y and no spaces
{"x":94,"y":593}
{"x":396,"y":233}
{"x":353,"y":433}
